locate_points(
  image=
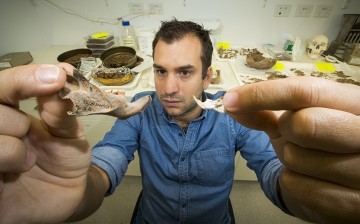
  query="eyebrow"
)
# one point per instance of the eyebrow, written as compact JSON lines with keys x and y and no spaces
{"x":178,"y":68}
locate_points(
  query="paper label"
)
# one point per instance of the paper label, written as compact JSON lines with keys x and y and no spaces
{"x":279,"y":66}
{"x":325,"y":67}
{"x":223,"y":45}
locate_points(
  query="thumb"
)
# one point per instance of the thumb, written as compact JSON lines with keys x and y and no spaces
{"x":28,"y":81}
{"x":263,"y":120}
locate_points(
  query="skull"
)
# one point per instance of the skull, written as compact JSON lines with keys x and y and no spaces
{"x":316,"y":46}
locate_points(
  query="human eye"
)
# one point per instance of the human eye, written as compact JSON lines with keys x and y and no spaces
{"x":160,"y":72}
{"x":184,"y":73}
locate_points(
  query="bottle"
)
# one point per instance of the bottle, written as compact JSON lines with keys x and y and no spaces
{"x":128,"y":35}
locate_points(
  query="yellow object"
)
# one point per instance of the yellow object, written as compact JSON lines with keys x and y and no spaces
{"x":279,"y":66}
{"x":100,"y":35}
{"x":325,"y":67}
{"x":213,"y":68}
{"x":223,"y":45}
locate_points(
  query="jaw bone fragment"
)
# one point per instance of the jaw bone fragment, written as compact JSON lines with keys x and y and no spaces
{"x":211,"y":104}
{"x":89,"y":99}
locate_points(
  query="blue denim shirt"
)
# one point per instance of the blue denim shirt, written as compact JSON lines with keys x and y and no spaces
{"x":186,"y":176}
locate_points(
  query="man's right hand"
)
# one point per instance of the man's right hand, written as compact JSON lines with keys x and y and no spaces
{"x":43,"y":163}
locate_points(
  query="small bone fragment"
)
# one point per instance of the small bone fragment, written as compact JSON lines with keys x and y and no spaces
{"x":89,"y":99}
{"x":211,"y":104}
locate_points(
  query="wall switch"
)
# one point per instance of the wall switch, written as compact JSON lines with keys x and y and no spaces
{"x":304,"y":10}
{"x":136,"y":8}
{"x":156,"y":8}
{"x":323,"y":11}
{"x":282,"y":10}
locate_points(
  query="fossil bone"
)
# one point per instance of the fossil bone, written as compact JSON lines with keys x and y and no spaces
{"x":211,"y":104}
{"x":255,"y":59}
{"x":89,"y":99}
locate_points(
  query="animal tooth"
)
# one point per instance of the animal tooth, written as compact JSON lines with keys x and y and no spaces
{"x":211,"y":104}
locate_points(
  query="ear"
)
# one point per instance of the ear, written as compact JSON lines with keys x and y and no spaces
{"x":209,"y":74}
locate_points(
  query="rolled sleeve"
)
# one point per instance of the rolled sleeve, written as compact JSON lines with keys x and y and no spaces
{"x":270,"y":184}
{"x":113,"y":162}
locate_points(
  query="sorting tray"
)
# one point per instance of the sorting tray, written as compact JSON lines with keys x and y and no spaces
{"x":336,"y":72}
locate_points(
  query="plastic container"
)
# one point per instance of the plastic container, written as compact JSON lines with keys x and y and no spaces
{"x":100,"y":40}
{"x":145,"y":37}
{"x":128,"y":35}
{"x":74,"y":56}
{"x":100,"y":46}
{"x":118,"y":57}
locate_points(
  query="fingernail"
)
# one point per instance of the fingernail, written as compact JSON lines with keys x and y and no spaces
{"x":47,"y":74}
{"x":230,"y":100}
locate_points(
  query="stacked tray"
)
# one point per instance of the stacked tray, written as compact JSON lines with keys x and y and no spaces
{"x":100,"y":44}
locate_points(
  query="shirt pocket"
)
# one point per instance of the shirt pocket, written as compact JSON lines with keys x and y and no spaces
{"x":214,"y":167}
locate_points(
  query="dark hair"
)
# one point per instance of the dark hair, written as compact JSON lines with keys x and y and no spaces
{"x":174,"y":30}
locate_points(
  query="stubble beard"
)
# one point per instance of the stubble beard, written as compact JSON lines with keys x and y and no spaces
{"x":185,"y":109}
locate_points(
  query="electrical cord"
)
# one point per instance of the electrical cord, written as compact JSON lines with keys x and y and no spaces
{"x":114,"y":21}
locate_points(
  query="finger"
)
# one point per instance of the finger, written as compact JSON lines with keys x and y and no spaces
{"x":324,"y":202}
{"x":13,"y":122}
{"x":14,"y":155}
{"x":263,"y":120}
{"x":321,"y":128}
{"x":336,"y":168}
{"x":53,"y":111}
{"x":250,"y":104}
{"x":30,"y":81}
{"x":293,"y":94}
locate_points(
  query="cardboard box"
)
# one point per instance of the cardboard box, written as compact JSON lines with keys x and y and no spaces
{"x":352,"y":55}
{"x":15,"y":59}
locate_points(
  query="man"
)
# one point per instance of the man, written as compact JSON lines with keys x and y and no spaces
{"x":186,"y":154}
{"x":45,"y":171}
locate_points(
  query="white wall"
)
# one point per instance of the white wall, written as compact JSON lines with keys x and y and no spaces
{"x":32,"y":25}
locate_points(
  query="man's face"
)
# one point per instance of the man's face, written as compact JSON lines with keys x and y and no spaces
{"x":178,"y":76}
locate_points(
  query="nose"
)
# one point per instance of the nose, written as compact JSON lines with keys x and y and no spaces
{"x":171,"y":84}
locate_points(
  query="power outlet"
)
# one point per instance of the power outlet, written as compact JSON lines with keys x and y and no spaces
{"x":136,"y":8}
{"x":156,"y":8}
{"x":323,"y":11}
{"x":304,"y":10}
{"x":282,"y":10}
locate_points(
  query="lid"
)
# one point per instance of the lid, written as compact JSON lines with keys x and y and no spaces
{"x":100,"y":35}
{"x":125,"y":23}
{"x":102,"y":40}
{"x":119,"y":56}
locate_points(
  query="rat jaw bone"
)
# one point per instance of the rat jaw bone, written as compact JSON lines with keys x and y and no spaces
{"x":89,"y":99}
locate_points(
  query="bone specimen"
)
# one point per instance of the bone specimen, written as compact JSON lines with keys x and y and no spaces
{"x":211,"y":104}
{"x":89,"y":99}
{"x":256,"y":60}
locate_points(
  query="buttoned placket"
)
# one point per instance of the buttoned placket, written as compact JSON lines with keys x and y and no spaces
{"x":187,"y":141}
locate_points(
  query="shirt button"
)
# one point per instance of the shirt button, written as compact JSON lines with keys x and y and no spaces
{"x":183,"y":205}
{"x":182,"y":158}
{"x":184,"y":182}
{"x":180,"y":134}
